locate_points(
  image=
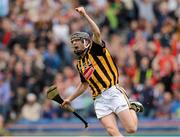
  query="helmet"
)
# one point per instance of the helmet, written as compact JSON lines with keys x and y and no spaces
{"x":80,"y":35}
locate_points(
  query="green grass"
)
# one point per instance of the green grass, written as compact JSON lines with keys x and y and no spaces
{"x":99,"y":133}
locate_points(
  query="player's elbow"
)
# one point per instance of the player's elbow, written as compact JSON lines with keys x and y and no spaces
{"x":97,"y":33}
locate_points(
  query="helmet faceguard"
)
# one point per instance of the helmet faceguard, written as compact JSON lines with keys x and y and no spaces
{"x":80,"y":36}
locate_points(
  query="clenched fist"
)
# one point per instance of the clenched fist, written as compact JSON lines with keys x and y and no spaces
{"x":81,"y":11}
{"x":65,"y":103}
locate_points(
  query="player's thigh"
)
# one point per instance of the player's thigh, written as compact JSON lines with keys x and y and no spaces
{"x":127,"y":120}
{"x":109,"y":121}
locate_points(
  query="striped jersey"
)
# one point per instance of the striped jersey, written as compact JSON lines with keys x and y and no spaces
{"x":98,"y":69}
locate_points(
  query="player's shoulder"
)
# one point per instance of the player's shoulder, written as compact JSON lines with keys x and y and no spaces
{"x":97,"y":48}
{"x":101,"y":44}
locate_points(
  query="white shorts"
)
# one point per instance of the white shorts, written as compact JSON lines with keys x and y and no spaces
{"x":113,"y":100}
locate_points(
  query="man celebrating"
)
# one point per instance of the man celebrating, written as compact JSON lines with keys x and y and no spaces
{"x":98,"y":70}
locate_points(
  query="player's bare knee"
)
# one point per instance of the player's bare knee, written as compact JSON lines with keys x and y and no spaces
{"x":112,"y":131}
{"x":131,"y":130}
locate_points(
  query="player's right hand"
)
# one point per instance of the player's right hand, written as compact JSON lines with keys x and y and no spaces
{"x":65,"y":103}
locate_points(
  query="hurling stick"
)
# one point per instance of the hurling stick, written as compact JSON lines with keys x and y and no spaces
{"x":53,"y":94}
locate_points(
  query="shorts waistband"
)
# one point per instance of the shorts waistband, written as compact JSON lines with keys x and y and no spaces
{"x":105,"y":90}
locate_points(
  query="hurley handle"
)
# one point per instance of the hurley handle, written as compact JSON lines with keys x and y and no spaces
{"x":53,"y":94}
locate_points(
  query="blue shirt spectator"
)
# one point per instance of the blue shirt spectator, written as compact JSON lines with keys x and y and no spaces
{"x":5,"y":95}
{"x":4,"y":8}
{"x":51,"y":58}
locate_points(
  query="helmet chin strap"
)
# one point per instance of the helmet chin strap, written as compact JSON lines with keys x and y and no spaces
{"x":86,"y":45}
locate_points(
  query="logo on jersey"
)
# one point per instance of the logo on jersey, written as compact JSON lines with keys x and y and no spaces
{"x":88,"y":70}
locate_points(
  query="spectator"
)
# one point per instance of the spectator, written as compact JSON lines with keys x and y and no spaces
{"x":175,"y":108}
{"x":49,"y":111}
{"x":166,"y":65}
{"x":6,"y":32}
{"x":31,"y":111}
{"x":144,"y":72}
{"x":5,"y":96}
{"x":51,"y":58}
{"x":164,"y":108}
{"x":4,"y":8}
{"x":145,"y":9}
{"x":131,"y":9}
{"x":147,"y":98}
{"x":175,"y":41}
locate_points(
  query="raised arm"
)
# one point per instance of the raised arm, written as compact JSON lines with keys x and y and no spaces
{"x":95,"y":29}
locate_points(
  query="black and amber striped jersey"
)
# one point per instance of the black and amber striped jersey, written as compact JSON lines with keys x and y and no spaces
{"x":98,"y":69}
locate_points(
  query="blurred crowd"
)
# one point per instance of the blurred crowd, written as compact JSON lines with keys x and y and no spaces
{"x":142,"y":35}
